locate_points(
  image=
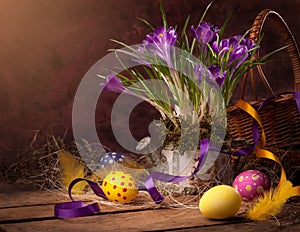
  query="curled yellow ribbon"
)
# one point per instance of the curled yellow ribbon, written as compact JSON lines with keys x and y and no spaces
{"x":253,"y":113}
{"x":259,"y":150}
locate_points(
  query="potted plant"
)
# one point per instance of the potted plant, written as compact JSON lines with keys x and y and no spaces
{"x":189,"y":76}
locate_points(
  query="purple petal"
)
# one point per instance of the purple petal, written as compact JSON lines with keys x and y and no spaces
{"x":193,"y":31}
{"x":171,"y":36}
{"x":217,"y":75}
{"x":159,"y":30}
{"x":158,"y":40}
{"x":113,"y":84}
{"x":200,"y":72}
{"x":224,"y":44}
{"x":205,"y":32}
{"x":240,"y":53}
{"x":220,"y":80}
{"x":215,"y":47}
{"x":215,"y":70}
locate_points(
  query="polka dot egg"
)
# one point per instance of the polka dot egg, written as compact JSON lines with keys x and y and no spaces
{"x":110,"y":158}
{"x":120,"y":187}
{"x":251,"y":184}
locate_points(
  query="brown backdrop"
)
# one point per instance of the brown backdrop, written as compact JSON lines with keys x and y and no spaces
{"x":47,"y":46}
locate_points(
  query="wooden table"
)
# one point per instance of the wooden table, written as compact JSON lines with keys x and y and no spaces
{"x":33,"y":211}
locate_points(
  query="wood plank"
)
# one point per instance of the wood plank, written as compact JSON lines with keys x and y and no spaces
{"x":245,"y":227}
{"x":28,"y":198}
{"x":46,"y":211}
{"x":44,"y":197}
{"x":156,"y":219}
{"x":224,"y":227}
{"x":25,"y":211}
{"x":39,"y":205}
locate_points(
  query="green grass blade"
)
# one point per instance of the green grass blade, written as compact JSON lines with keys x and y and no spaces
{"x":222,"y":29}
{"x":147,"y":23}
{"x":205,"y":11}
{"x":163,"y":14}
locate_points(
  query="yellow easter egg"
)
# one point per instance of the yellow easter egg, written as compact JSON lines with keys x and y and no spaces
{"x":120,"y":187}
{"x":220,"y":202}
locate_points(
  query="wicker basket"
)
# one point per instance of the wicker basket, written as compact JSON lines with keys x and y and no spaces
{"x":280,"y":117}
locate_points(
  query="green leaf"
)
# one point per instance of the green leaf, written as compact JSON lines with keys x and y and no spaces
{"x":147,"y":23}
{"x":214,"y":55}
{"x":245,"y":34}
{"x":205,"y":11}
{"x":264,"y":58}
{"x":222,"y":29}
{"x":183,"y":33}
{"x":163,"y":14}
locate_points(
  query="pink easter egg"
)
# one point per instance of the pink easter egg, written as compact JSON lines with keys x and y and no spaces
{"x":251,"y":184}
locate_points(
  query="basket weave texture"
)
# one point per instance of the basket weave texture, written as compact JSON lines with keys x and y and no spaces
{"x":280,"y":117}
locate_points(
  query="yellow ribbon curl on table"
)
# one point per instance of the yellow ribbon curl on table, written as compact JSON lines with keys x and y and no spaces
{"x":271,"y":202}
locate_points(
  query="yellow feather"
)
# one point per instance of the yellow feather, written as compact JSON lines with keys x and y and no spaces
{"x":71,"y":167}
{"x":271,"y":203}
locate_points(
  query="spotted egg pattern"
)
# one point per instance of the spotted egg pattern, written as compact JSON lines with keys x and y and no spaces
{"x":120,"y":187}
{"x":251,"y":184}
{"x":110,"y":158}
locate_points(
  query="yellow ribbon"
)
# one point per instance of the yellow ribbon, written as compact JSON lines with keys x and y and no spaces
{"x":253,"y":113}
{"x":259,"y":151}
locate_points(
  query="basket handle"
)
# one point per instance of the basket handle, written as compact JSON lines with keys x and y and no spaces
{"x":288,"y":40}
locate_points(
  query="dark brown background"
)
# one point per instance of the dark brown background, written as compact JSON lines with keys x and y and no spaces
{"x":47,"y":46}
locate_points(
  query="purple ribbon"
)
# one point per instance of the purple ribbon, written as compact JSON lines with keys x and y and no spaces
{"x":154,"y":193}
{"x":75,"y":209}
{"x":78,"y":209}
{"x":255,"y":130}
{"x":94,"y":186}
{"x":297,"y":99}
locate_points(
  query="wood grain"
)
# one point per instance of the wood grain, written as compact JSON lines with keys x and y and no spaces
{"x":155,"y":219}
{"x":25,"y":211}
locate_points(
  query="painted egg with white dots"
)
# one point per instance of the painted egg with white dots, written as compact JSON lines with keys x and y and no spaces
{"x":120,"y":187}
{"x":111,"y":158}
{"x":251,"y":184}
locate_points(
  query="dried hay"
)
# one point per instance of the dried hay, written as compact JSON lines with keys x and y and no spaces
{"x":38,"y":164}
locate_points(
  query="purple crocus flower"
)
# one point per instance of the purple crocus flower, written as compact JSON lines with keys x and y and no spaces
{"x":212,"y":72}
{"x":113,"y":84}
{"x":219,"y":76}
{"x":160,"y":42}
{"x":245,"y":41}
{"x":238,"y":49}
{"x":205,"y":32}
{"x":161,"y":36}
{"x":200,"y":72}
